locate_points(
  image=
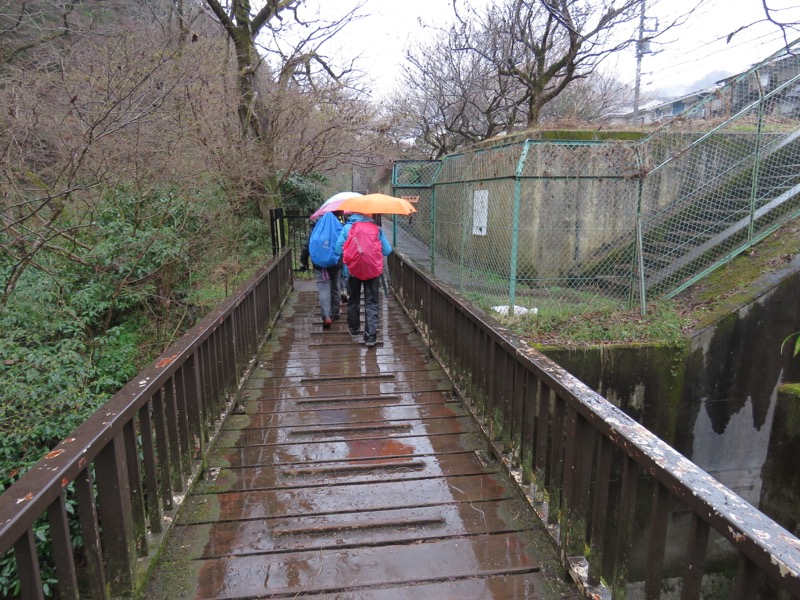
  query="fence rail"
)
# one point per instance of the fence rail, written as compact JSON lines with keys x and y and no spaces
{"x":625,"y":509}
{"x":125,"y":468}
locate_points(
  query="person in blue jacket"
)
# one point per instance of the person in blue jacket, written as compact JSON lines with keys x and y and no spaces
{"x":327,"y":283}
{"x":354,"y":285}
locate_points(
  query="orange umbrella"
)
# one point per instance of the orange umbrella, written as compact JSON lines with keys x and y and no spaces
{"x":372,"y":204}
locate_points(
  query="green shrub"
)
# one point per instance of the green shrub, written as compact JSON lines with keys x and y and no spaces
{"x":301,"y":194}
{"x":82,"y":319}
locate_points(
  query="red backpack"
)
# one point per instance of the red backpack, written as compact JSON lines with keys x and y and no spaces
{"x":363,"y":253}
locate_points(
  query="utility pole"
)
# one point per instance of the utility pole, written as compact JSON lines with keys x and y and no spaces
{"x":639,"y":53}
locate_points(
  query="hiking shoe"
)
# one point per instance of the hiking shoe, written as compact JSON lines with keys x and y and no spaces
{"x":326,"y":323}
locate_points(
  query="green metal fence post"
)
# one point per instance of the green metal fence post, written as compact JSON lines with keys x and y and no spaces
{"x":394,"y":193}
{"x":512,"y":275}
{"x":640,"y":253}
{"x":639,"y":240}
{"x":757,"y":161}
{"x":433,"y":182}
{"x":432,"y":218}
{"x":465,"y":206}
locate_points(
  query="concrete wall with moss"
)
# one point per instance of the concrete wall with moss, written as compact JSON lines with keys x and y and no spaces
{"x":729,"y":400}
{"x":780,"y":495}
{"x":576,"y":196}
{"x":645,"y":381}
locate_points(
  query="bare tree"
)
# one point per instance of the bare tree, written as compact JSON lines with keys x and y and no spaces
{"x":774,"y":16}
{"x":311,"y":131}
{"x":494,"y":71}
{"x":302,"y":112}
{"x":503,"y":68}
{"x":452,"y":98}
{"x":276,"y":39}
{"x":27,"y":26}
{"x":544,"y":45}
{"x":109,"y":113}
{"x":588,"y":99}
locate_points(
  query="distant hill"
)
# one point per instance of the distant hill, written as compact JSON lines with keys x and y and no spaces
{"x":681,"y":90}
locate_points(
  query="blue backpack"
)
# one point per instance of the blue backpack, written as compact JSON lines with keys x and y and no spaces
{"x":322,"y":243}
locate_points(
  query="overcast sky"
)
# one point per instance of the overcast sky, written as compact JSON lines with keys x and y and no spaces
{"x":685,"y":55}
{"x":679,"y":60}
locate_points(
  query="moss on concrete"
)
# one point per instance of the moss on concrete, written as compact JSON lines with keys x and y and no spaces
{"x":790,"y":389}
{"x":789,"y":399}
{"x":781,"y":480}
{"x":646,"y":381}
{"x":744,"y":279}
{"x":567,"y":135}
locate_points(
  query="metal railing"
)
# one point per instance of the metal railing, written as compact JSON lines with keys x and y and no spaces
{"x":610,"y":492}
{"x":125,"y":468}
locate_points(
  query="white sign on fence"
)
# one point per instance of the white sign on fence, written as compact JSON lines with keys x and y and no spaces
{"x":480,"y":211}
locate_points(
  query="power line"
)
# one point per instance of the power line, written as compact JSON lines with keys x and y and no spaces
{"x":759,"y":41}
{"x":704,"y":26}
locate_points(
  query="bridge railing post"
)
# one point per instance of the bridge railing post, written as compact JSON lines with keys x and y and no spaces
{"x":114,"y":499}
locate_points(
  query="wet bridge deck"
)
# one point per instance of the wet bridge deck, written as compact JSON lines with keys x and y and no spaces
{"x":352,"y":472}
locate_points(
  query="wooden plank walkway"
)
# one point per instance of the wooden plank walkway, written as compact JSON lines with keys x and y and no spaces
{"x":353,"y":473}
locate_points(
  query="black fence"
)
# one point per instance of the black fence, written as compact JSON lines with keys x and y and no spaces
{"x":289,"y":231}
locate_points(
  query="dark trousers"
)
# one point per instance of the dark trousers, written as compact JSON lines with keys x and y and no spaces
{"x":328,"y":290}
{"x":371,"y":291}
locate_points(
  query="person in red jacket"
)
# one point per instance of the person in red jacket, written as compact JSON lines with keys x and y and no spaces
{"x":354,"y":284}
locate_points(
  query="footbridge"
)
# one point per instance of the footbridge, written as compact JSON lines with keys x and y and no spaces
{"x":262,"y":456}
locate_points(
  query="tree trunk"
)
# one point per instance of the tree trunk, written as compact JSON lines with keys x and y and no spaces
{"x":534,"y":111}
{"x":183,"y":28}
{"x":247,"y":63}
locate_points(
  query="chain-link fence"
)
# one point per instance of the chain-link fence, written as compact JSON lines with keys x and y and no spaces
{"x":570,"y":226}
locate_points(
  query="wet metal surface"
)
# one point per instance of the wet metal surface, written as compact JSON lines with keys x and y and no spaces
{"x":348,"y":472}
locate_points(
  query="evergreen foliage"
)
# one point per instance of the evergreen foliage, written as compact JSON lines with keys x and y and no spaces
{"x":75,"y":329}
{"x":301,"y":194}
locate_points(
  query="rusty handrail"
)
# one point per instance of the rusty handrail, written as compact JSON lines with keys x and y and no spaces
{"x":130,"y":460}
{"x":581,"y":461}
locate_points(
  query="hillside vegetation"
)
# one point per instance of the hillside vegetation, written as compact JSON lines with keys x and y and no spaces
{"x":670,"y":322}
{"x":130,"y":205}
{"x":130,"y":201}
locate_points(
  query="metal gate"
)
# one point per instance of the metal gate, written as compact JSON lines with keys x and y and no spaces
{"x":288,"y":230}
